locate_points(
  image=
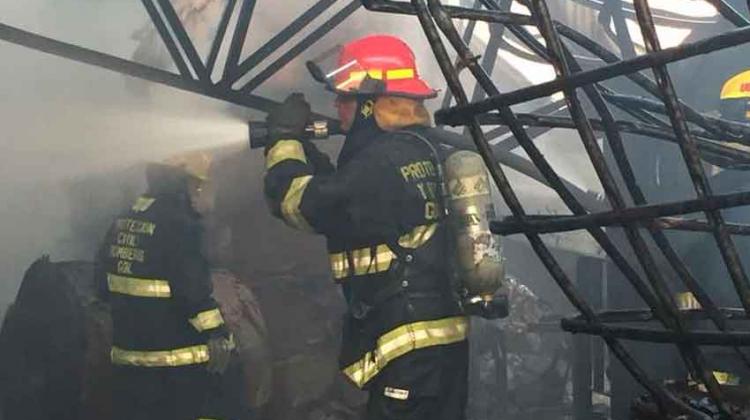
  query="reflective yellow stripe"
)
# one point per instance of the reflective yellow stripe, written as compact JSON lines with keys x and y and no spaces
{"x":207,"y":320}
{"x":418,"y":236}
{"x":290,"y":207}
{"x":365,"y":263}
{"x":687,"y":300}
{"x":726,"y":378}
{"x":143,"y":203}
{"x":405,"y":339}
{"x":164,"y":358}
{"x":284,"y":150}
{"x":132,"y":286}
{"x":377,"y":74}
{"x":399,"y":74}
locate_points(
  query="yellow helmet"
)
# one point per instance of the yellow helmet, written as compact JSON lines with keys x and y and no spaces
{"x":194,"y":163}
{"x":735,"y":97}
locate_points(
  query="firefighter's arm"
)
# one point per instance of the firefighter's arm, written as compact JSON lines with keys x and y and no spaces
{"x":300,"y":183}
{"x":191,"y":284}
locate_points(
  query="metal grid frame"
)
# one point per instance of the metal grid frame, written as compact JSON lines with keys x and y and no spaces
{"x":696,"y":135}
{"x":436,"y":21}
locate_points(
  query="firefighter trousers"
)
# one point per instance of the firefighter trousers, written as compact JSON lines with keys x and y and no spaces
{"x":427,"y":384}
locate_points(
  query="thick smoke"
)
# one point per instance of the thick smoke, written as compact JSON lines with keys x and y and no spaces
{"x":62,"y":122}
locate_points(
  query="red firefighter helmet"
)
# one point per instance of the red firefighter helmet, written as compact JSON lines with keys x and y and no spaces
{"x":375,"y":64}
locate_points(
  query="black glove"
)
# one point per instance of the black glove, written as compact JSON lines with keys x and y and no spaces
{"x":220,"y":349}
{"x":288,"y":120}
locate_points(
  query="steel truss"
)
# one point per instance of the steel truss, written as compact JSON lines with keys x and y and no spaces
{"x":662,"y":117}
{"x":495,"y":110}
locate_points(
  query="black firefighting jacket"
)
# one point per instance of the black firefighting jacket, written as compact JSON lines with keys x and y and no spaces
{"x":152,"y":271}
{"x":381,"y":212}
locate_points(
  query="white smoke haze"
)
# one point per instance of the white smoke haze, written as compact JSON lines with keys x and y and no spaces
{"x":61,"y":121}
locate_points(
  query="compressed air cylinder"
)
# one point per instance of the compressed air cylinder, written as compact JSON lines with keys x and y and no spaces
{"x":479,"y":259}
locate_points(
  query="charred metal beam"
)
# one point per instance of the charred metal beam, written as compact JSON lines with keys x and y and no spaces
{"x":706,"y":143}
{"x":565,"y":64}
{"x":238,"y":40}
{"x":553,"y":224}
{"x":166,"y":37}
{"x":730,"y":13}
{"x":693,"y":225}
{"x":646,"y":315}
{"x":304,"y":44}
{"x":282,"y":37}
{"x":693,"y":355}
{"x":729,"y":130}
{"x":221,"y":32}
{"x":468,"y":35}
{"x":184,"y":40}
{"x":404,"y":8}
{"x":698,"y":337}
{"x":129,"y":68}
{"x":663,"y":397}
{"x":457,"y":115}
{"x":539,"y":160}
{"x":690,"y":154}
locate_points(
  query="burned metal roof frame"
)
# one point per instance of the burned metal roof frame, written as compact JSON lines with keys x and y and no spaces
{"x":698,"y":136}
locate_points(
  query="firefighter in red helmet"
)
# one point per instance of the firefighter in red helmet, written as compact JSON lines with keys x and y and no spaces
{"x":382,"y":212}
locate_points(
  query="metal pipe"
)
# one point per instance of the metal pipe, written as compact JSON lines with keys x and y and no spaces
{"x":221,"y":32}
{"x":456,"y":115}
{"x":298,"y":49}
{"x":554,"y":224}
{"x":184,"y":40}
{"x":690,"y":154}
{"x":166,"y":37}
{"x":281,"y":38}
{"x":662,"y":396}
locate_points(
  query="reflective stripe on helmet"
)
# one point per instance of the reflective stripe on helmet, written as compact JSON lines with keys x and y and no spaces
{"x":377,"y":74}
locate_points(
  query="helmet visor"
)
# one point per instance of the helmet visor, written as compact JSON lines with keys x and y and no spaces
{"x":337,"y":76}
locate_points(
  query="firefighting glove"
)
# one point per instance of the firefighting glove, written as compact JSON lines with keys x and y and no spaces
{"x":220,"y":349}
{"x":289,"y":119}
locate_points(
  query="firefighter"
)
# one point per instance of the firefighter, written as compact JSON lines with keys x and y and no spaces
{"x":169,"y":336}
{"x":382,"y":212}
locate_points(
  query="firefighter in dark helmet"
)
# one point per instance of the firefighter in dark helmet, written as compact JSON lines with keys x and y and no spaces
{"x":383,"y":214}
{"x":169,"y":335}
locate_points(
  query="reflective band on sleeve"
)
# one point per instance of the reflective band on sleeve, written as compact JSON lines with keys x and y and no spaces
{"x":290,"y":207}
{"x":164,"y":358}
{"x":207,"y":320}
{"x":143,"y":203}
{"x":418,"y":236}
{"x":365,"y":263}
{"x":403,"y":340}
{"x":285,"y":150}
{"x":132,"y":286}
